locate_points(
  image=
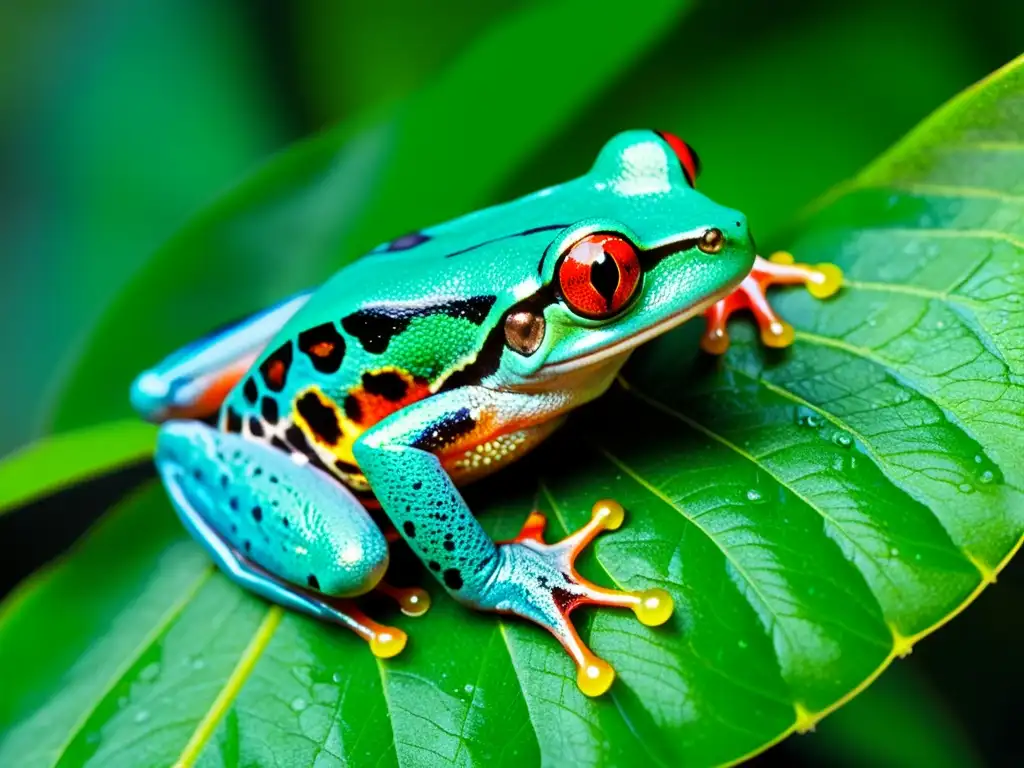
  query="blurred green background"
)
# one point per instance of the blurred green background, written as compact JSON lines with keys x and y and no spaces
{"x":119,"y":120}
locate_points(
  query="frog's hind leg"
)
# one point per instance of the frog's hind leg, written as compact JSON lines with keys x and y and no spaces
{"x":821,"y":280}
{"x":193,"y":382}
{"x":286,"y":531}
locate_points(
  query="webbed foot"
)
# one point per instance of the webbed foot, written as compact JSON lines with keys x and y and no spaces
{"x":822,"y":281}
{"x":539,"y":581}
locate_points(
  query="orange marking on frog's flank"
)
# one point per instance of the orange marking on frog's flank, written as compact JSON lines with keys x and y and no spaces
{"x":322,"y":348}
{"x":216,"y":387}
{"x":382,"y":392}
{"x":275,"y":373}
{"x":333,"y":430}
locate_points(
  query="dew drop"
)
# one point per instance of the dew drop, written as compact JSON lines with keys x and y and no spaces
{"x":842,"y":439}
{"x":469,"y":688}
{"x":141,"y":716}
{"x":940,"y":324}
{"x":743,"y":643}
{"x":986,"y":477}
{"x":978,"y":459}
{"x":198,"y":663}
{"x":150,"y":672}
{"x":298,"y":704}
{"x":337,"y":677}
{"x":814,"y":420}
{"x":966,"y":488}
{"x":753,"y":496}
{"x":917,"y":557}
{"x":1013,"y":298}
{"x":894,"y":552}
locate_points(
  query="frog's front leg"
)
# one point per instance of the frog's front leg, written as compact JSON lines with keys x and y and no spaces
{"x":281,"y":529}
{"x":403,"y":456}
{"x":822,"y":280}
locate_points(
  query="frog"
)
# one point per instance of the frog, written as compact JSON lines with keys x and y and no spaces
{"x":300,"y":444}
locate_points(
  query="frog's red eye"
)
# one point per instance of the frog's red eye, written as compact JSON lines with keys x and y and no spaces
{"x":687,"y":157}
{"x":599,"y":275}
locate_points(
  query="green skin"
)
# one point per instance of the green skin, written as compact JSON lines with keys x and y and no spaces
{"x":276,"y":484}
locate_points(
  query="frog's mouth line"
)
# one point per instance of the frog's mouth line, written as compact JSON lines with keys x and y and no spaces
{"x":630,"y":343}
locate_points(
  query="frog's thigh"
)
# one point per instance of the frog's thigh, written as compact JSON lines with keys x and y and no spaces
{"x":250,"y":504}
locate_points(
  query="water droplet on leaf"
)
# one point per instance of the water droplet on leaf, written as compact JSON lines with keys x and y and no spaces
{"x":150,"y":672}
{"x":842,"y":439}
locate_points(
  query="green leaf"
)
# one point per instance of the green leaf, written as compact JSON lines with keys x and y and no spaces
{"x":814,"y":512}
{"x":52,"y":463}
{"x":122,"y":120}
{"x":332,"y":198}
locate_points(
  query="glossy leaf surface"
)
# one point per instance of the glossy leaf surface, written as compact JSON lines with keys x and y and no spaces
{"x":814,"y":512}
{"x":55,"y":462}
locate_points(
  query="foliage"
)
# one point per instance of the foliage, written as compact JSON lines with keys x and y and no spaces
{"x":814,"y":512}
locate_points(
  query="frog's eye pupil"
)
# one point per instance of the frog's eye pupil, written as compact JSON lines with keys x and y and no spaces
{"x":686,"y":155}
{"x":599,"y":275}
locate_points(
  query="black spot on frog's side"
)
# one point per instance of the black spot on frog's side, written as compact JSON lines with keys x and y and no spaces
{"x":376,"y":326}
{"x":322,"y":419}
{"x":296,"y":438}
{"x":410,"y":529}
{"x":324,"y":347}
{"x":313,"y":581}
{"x":445,"y":431}
{"x":353,"y":410}
{"x":276,"y":366}
{"x":452,"y":578}
{"x":269,"y":410}
{"x":234,"y":421}
{"x":387,"y":384}
{"x":250,"y":391}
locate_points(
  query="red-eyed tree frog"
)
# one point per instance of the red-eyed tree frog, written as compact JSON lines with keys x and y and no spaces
{"x":435,"y":359}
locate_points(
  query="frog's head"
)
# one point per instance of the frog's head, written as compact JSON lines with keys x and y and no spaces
{"x":651,"y":253}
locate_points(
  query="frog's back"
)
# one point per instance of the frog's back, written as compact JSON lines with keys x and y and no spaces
{"x":410,"y":318}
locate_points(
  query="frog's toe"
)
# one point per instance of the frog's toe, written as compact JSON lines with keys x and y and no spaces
{"x":821,"y":281}
{"x":412,"y":601}
{"x":539,"y":581}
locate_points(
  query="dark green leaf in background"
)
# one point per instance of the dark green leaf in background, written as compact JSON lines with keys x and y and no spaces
{"x":124,"y":117}
{"x":814,"y":512}
{"x":331,"y":198}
